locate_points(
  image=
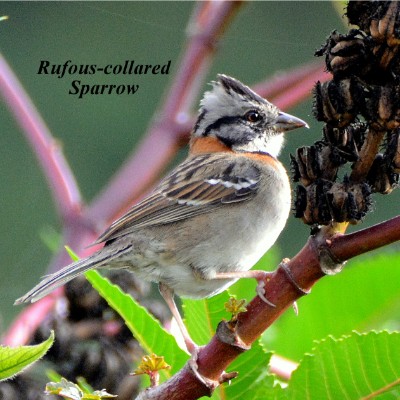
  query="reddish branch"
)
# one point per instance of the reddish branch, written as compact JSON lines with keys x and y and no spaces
{"x":60,"y":177}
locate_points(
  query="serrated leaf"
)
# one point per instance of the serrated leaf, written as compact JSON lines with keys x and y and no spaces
{"x":14,"y":360}
{"x":202,"y":318}
{"x":350,"y":368}
{"x":145,"y":328}
{"x":360,"y":298}
{"x":84,"y":385}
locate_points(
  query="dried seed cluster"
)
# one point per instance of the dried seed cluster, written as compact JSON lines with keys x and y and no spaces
{"x":360,"y":106}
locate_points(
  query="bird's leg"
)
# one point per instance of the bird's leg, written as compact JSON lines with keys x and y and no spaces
{"x":255,"y":274}
{"x":168,"y":295}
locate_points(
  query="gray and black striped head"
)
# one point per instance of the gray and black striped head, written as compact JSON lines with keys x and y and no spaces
{"x":241,"y":119}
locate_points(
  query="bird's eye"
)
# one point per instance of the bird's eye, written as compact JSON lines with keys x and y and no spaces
{"x":253,"y":116}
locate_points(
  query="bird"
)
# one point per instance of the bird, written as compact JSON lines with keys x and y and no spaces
{"x":213,"y":216}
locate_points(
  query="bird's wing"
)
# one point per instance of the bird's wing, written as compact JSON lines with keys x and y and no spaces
{"x":198,"y":185}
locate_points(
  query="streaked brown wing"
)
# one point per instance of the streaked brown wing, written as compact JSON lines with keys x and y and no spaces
{"x":197,"y":186}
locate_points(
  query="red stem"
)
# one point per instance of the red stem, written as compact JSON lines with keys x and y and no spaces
{"x":61,"y":180}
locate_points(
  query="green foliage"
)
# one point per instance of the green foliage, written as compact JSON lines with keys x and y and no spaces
{"x":352,"y":367}
{"x":253,"y":380}
{"x":14,"y":360}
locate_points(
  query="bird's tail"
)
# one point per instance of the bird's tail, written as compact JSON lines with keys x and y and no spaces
{"x":53,"y":281}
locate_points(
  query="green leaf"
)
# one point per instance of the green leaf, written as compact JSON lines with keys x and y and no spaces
{"x":253,"y":381}
{"x":83,"y":385}
{"x":52,"y":375}
{"x":203,"y":316}
{"x":360,"y":298}
{"x":98,"y":395}
{"x":144,"y":327}
{"x":350,"y":368}
{"x":14,"y":360}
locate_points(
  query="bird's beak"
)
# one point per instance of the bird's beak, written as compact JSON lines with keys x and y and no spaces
{"x":286,"y":122}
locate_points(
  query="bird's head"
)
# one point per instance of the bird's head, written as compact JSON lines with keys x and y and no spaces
{"x":241,"y":119}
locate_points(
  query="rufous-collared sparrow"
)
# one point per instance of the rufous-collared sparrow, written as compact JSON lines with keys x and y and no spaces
{"x":212,"y":218}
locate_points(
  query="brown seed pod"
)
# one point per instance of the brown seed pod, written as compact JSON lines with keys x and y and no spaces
{"x":346,"y":141}
{"x":311,"y":205}
{"x":320,"y":161}
{"x":384,"y":27}
{"x":347,"y":55}
{"x":379,"y":176}
{"x":382,"y":107}
{"x":379,"y":19}
{"x":349,"y":202}
{"x":323,"y":202}
{"x":337,"y":102}
{"x":393,"y":150}
{"x":360,"y":13}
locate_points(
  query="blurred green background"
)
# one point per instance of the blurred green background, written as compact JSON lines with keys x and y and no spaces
{"x":99,"y":132}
